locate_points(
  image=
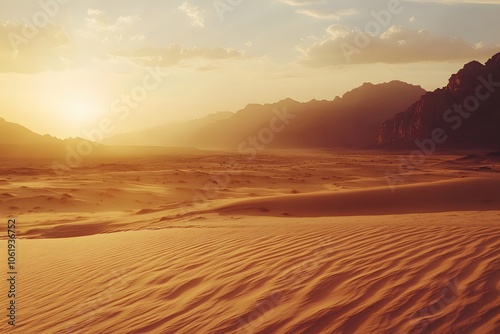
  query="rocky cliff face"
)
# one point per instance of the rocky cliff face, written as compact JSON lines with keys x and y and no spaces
{"x":467,"y":110}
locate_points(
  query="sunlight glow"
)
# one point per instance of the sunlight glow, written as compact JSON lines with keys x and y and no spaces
{"x":81,"y":111}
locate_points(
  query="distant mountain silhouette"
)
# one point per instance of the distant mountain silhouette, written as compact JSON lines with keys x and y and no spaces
{"x":348,"y":121}
{"x":466,"y":112}
{"x":175,"y":134}
{"x":18,"y":141}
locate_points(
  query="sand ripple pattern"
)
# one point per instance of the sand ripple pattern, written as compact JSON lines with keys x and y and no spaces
{"x":433,"y":273}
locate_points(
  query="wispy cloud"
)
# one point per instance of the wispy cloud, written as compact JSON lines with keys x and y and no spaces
{"x":194,"y":13}
{"x":397,"y":45}
{"x":328,"y":14}
{"x":302,"y":2}
{"x":97,"y":21}
{"x":175,"y":54}
{"x":49,"y":49}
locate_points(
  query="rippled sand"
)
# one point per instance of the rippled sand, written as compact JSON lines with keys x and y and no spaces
{"x":432,"y":273}
{"x":324,"y":246}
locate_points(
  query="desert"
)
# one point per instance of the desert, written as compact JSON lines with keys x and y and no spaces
{"x":269,"y":252}
{"x":250,"y":167}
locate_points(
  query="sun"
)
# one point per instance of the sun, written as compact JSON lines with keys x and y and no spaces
{"x":82,"y":112}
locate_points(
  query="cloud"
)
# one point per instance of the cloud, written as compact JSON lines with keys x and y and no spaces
{"x":108,"y":40}
{"x":302,"y":2}
{"x":30,"y":49}
{"x":25,"y":49}
{"x":97,"y":21}
{"x":328,"y":14}
{"x":319,"y":13}
{"x":194,"y":13}
{"x":396,"y":45}
{"x":176,"y":54}
{"x":101,"y":33}
{"x":94,"y":12}
{"x":138,"y":38}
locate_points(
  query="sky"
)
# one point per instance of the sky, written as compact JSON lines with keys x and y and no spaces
{"x":70,"y":66}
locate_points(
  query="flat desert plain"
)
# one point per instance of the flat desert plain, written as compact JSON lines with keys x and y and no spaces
{"x":283,"y":242}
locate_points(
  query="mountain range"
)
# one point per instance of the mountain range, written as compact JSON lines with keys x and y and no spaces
{"x":18,"y":141}
{"x":348,"y":121}
{"x":466,"y":113}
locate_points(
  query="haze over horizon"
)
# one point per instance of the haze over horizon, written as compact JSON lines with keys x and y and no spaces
{"x":74,"y":72}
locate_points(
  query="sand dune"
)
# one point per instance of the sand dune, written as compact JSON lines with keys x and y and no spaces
{"x":323,"y":246}
{"x":432,"y":273}
{"x":451,"y":195}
